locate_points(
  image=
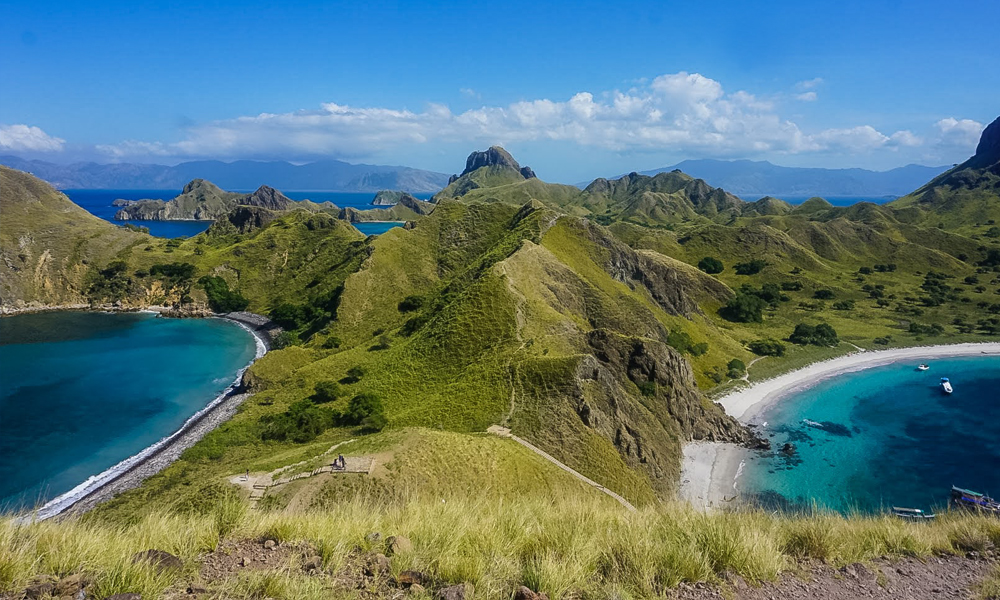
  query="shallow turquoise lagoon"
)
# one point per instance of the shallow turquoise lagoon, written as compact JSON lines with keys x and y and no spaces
{"x":881,"y":437}
{"x":79,"y":392}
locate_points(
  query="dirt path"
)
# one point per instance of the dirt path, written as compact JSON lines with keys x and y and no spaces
{"x":504,"y":432}
{"x":259,"y":483}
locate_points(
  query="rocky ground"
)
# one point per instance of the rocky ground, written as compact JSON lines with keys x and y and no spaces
{"x":368,"y":574}
{"x":910,"y":579}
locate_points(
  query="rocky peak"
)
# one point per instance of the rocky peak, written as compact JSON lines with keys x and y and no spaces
{"x":988,"y":150}
{"x":200,"y":185}
{"x":494,"y":157}
{"x":267,"y":197}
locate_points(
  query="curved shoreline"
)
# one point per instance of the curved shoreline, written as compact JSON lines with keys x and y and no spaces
{"x":710,"y":470}
{"x":133,"y":470}
{"x":746,"y":403}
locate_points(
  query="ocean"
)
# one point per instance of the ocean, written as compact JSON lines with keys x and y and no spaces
{"x":98,"y":203}
{"x":834,"y":200}
{"x":82,"y":391}
{"x":881,"y":437}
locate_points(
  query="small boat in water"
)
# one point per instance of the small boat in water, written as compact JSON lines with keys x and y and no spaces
{"x":911,"y":514}
{"x":922,"y":367}
{"x":970,"y":500}
{"x":946,"y":385}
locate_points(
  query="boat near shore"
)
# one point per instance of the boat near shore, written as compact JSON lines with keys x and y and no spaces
{"x":923,"y":367}
{"x":946,"y":385}
{"x":912,"y":514}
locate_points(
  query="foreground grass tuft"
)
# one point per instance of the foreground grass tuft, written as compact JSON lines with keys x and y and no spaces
{"x":564,"y":548}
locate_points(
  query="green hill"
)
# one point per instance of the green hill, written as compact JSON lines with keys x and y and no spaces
{"x":46,"y":243}
{"x":965,"y":198}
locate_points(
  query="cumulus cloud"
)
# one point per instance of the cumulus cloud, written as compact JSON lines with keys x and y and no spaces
{"x":682,"y":113}
{"x":807,"y":97}
{"x":27,"y":138}
{"x":959,"y":132}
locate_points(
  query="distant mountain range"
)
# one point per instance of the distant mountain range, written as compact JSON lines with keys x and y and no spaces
{"x":327,"y":175}
{"x":749,"y":179}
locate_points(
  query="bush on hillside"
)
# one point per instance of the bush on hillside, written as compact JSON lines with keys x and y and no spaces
{"x":175,"y":272}
{"x":824,"y":295}
{"x":326,"y":391}
{"x":366,"y":410}
{"x":288,"y":316}
{"x":354,"y":374}
{"x":816,"y":335}
{"x":736,"y":368}
{"x":744,"y":308}
{"x":284,"y":340}
{"x":767,"y":347}
{"x":750,"y":267}
{"x":711,"y":265}
{"x":411,"y":303}
{"x":301,"y":423}
{"x":791,"y":286}
{"x":220,"y":297}
{"x":110,"y":284}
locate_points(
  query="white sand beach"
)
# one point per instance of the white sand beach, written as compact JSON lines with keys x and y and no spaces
{"x":710,"y":470}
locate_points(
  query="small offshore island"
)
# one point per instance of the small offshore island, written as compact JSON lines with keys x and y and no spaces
{"x":502,"y":394}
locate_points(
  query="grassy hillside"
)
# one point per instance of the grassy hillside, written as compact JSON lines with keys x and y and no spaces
{"x":47,"y":243}
{"x":593,"y":324}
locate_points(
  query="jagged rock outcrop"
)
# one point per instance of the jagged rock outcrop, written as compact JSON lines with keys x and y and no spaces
{"x":495,"y":156}
{"x":388,"y":197}
{"x":266,"y":197}
{"x":244,"y":219}
{"x":988,"y":150}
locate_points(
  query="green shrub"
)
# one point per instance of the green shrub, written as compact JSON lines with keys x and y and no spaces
{"x":173,"y":271}
{"x":736,"y":368}
{"x":824,"y":294}
{"x":767,"y":347}
{"x":750,"y":267}
{"x":817,"y":335}
{"x":791,"y":286}
{"x":711,"y":265}
{"x":220,"y":297}
{"x":354,"y":374}
{"x":326,"y":391}
{"x":744,"y":308}
{"x":647,"y":388}
{"x":411,"y":303}
{"x":366,"y":410}
{"x":288,"y":316}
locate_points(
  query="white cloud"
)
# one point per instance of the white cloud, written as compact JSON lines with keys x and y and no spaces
{"x":470,"y":93}
{"x":807,"y":97}
{"x":28,"y":138}
{"x":959,"y":132}
{"x":809,"y":84}
{"x":680,"y":113}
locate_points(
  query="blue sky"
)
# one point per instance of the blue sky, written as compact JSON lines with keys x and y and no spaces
{"x":574,"y":89}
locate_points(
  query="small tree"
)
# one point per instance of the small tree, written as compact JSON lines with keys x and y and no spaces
{"x":751,"y":267}
{"x":744,"y":308}
{"x":367,"y":410}
{"x":711,"y":265}
{"x":823,"y":294}
{"x":326,"y":391}
{"x":411,"y":303}
{"x":354,"y":374}
{"x":767,"y":347}
{"x":736,"y":368}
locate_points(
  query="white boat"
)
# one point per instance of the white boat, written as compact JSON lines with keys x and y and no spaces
{"x":946,"y":385}
{"x":922,"y":368}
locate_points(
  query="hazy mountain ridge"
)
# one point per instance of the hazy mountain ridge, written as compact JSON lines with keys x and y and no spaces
{"x":327,"y":175}
{"x":757,"y":178}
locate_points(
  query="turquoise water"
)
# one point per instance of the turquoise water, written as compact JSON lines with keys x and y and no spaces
{"x":376,"y":227}
{"x":883,"y":436}
{"x":80,"y":392}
